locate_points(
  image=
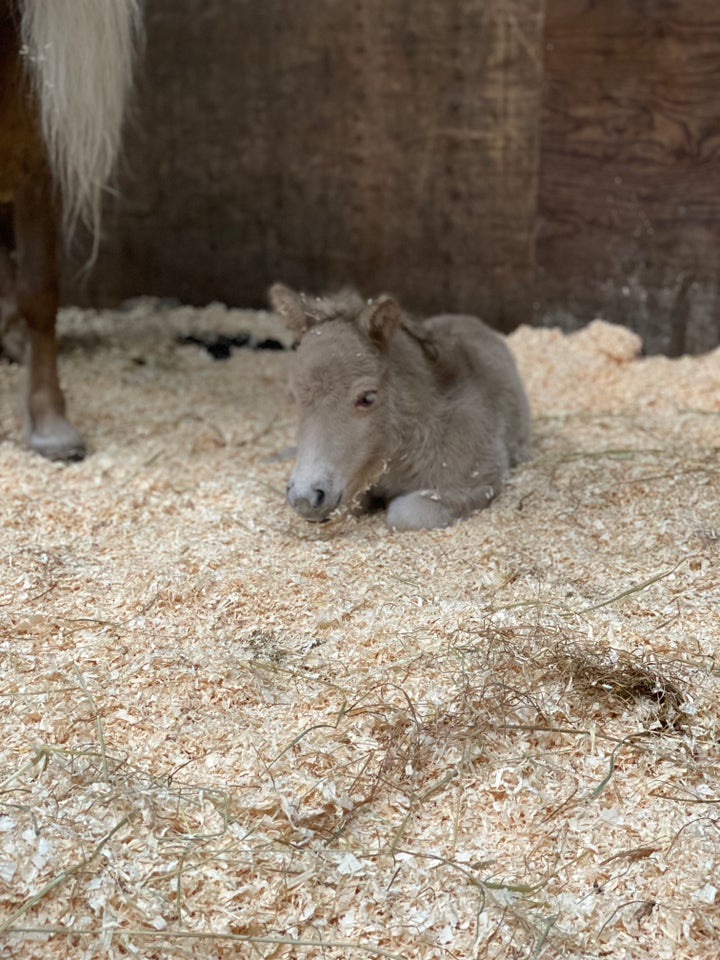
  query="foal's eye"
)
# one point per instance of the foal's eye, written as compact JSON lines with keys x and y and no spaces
{"x":366,"y":399}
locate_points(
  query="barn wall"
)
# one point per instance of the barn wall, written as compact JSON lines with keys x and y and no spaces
{"x":629,"y":198}
{"x":530,"y":160}
{"x":391,"y":144}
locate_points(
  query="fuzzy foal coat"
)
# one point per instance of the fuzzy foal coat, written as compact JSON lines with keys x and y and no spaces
{"x":425,"y":418}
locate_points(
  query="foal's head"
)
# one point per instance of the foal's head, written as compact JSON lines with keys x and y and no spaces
{"x":339,"y":382}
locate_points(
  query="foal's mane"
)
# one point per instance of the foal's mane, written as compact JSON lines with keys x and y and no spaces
{"x":425,"y":340}
{"x":347,"y":304}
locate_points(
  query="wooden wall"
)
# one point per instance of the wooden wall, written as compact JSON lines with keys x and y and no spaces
{"x":629,"y":198}
{"x":531,"y":160}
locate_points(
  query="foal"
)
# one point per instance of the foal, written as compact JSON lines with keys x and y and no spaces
{"x":425,"y":418}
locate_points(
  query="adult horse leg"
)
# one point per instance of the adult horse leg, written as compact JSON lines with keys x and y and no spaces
{"x":13,"y":332}
{"x":37,"y":293}
{"x":12,"y":341}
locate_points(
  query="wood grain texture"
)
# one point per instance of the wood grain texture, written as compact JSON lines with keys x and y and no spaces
{"x":390,"y":143}
{"x":629,"y":195}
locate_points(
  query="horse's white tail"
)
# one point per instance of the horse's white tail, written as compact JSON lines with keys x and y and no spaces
{"x":80,"y":57}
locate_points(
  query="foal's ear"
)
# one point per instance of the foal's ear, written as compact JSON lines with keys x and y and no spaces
{"x":379,"y":319}
{"x":289,"y":306}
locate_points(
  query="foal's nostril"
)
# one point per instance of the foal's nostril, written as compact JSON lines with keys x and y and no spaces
{"x":311,"y":502}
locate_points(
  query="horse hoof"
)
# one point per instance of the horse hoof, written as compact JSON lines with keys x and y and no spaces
{"x":63,"y":442}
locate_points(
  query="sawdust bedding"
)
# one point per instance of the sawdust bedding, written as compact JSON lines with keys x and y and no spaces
{"x":227,"y":733}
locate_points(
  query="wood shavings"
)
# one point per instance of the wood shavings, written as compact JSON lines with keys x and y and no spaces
{"x":223,"y":726}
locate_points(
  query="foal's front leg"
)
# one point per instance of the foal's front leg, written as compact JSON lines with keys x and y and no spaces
{"x":420,"y":510}
{"x":37,"y":292}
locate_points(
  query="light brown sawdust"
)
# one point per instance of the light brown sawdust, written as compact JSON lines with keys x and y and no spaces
{"x":226,"y":733}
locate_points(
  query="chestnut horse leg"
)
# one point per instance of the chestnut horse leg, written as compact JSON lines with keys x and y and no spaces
{"x":8,"y":307}
{"x":13,"y":333}
{"x":37,"y":292}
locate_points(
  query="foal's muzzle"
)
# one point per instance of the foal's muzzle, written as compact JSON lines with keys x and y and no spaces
{"x":314,"y":501}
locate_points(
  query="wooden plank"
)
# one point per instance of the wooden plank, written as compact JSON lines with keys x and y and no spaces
{"x":390,"y":143}
{"x":629,"y":199}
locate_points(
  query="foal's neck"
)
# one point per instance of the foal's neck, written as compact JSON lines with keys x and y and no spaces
{"x":415,"y":389}
{"x":413,"y":363}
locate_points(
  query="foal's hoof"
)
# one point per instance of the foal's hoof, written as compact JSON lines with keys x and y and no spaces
{"x":60,"y":442}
